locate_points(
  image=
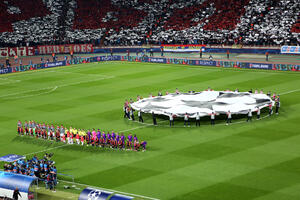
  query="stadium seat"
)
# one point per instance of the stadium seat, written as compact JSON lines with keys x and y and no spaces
{"x":137,"y":22}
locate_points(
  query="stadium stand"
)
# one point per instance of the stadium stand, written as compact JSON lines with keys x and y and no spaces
{"x":296,"y":26}
{"x":137,"y":22}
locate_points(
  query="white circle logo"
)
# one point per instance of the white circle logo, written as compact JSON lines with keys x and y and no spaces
{"x":94,"y":195}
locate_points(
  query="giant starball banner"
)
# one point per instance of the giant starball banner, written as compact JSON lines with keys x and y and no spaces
{"x":203,"y":103}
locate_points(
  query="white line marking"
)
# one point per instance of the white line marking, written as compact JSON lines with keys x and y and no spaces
{"x":79,"y":82}
{"x":144,"y":126}
{"x":288,"y":92}
{"x":45,"y":150}
{"x":78,"y":73}
{"x":13,"y":94}
{"x":125,"y":193}
{"x":7,"y":81}
{"x":32,"y":95}
{"x":123,"y":131}
{"x":53,"y":88}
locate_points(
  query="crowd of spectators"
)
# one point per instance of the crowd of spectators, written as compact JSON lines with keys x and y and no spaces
{"x":44,"y":169}
{"x":137,"y":22}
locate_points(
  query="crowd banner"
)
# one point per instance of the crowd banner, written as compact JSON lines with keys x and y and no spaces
{"x":66,"y":48}
{"x":290,"y":49}
{"x":183,"y":48}
{"x":16,"y":51}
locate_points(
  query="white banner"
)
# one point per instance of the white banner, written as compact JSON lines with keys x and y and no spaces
{"x":204,"y":103}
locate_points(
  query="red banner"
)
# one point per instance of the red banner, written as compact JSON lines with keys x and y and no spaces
{"x":67,"y":48}
{"x":16,"y":51}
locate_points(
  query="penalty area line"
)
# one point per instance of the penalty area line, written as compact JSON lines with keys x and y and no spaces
{"x":124,"y":193}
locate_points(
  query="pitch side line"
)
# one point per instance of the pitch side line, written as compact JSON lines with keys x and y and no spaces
{"x":125,"y":193}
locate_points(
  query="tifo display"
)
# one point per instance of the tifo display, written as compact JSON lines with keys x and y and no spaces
{"x":80,"y":136}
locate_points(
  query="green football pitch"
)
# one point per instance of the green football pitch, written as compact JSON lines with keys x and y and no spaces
{"x":258,"y":160}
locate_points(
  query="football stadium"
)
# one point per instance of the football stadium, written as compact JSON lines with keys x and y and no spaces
{"x":149,"y":100}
